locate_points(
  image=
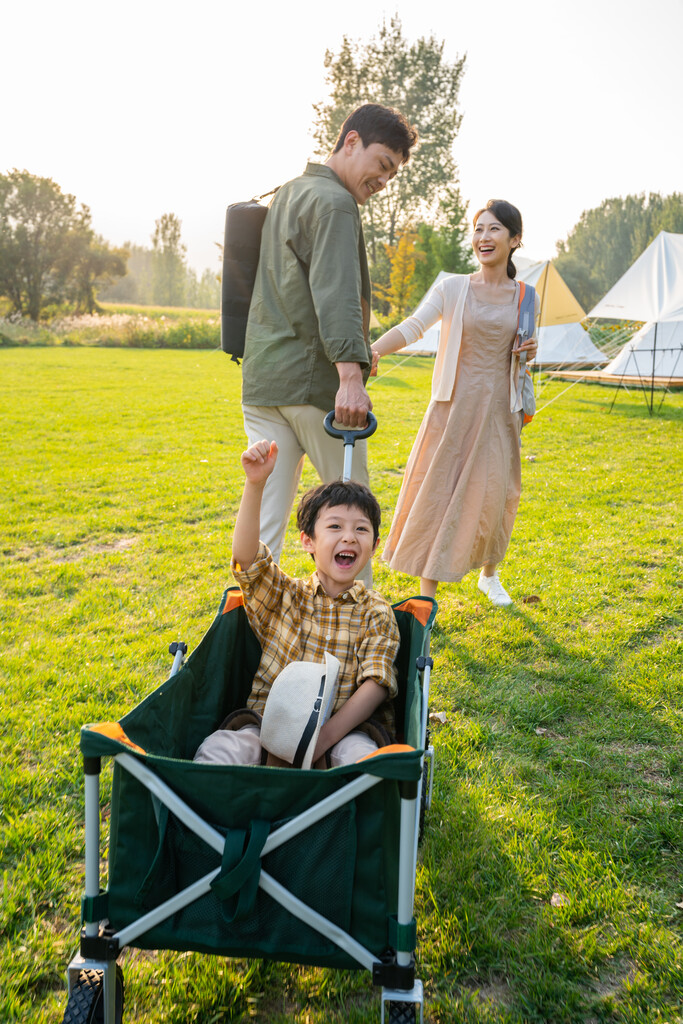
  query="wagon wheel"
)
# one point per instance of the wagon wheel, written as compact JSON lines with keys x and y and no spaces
{"x":86,"y":1000}
{"x":402,"y":1013}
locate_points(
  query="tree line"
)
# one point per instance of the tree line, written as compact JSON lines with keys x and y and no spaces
{"x":50,"y":256}
{"x":415,"y":228}
{"x":160,"y":276}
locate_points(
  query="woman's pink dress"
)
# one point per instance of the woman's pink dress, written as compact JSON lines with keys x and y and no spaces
{"x":462,"y":484}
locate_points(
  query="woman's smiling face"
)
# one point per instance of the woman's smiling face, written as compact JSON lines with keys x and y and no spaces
{"x":491,"y":240}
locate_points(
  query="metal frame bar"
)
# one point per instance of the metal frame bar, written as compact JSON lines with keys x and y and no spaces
{"x":92,"y":844}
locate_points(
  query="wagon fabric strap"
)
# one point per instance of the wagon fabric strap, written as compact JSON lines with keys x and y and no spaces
{"x":402,"y":937}
{"x":95,"y":908}
{"x":241,"y":868}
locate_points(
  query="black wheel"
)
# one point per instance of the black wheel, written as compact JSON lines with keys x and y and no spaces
{"x":402,"y":1013}
{"x":86,"y":1001}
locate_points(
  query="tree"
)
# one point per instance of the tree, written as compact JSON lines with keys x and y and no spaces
{"x":97,"y":265}
{"x":36,"y":221}
{"x":138,"y":286}
{"x":443,"y":245}
{"x":416,"y":80}
{"x":87,"y":263}
{"x":203,"y":292}
{"x":400,"y":293}
{"x":610,"y":237}
{"x":48,"y":250}
{"x":169,"y":261}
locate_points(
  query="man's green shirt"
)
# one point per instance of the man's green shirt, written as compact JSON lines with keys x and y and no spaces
{"x":310,"y":307}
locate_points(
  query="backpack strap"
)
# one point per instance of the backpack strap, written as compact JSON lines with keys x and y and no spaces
{"x":526,"y":319}
{"x":526,"y":312}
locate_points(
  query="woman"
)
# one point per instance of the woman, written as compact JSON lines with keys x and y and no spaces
{"x":462,"y":484}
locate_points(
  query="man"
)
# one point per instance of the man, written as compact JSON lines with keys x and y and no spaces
{"x":306,"y":347}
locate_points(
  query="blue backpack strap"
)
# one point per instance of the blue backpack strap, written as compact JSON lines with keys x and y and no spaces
{"x":526,"y":316}
{"x":526,"y":322}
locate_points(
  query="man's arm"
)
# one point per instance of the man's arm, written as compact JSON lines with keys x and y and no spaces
{"x":258,"y":462}
{"x":335,"y":280}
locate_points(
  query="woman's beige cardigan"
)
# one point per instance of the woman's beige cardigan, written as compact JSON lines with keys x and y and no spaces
{"x":446,"y":302}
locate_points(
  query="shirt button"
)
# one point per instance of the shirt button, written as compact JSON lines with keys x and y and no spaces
{"x":345,"y":596}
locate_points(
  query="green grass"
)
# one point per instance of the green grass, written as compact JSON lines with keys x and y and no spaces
{"x":549,"y":886}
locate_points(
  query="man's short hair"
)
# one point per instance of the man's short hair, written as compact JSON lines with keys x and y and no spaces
{"x":340,"y":492}
{"x":375,"y":123}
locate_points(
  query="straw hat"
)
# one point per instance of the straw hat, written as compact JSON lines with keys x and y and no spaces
{"x":299,"y":703}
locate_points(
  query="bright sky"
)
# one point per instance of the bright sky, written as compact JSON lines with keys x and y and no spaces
{"x":146,"y":107}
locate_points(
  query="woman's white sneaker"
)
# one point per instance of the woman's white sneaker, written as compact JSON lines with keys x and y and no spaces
{"x":494,"y":590}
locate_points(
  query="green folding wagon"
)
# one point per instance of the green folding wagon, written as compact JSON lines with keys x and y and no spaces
{"x":310,"y":867}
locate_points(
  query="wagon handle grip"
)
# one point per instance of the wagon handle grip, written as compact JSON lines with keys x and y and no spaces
{"x":349,"y":438}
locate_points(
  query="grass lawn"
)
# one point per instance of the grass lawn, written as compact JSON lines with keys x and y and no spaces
{"x":550,"y":879}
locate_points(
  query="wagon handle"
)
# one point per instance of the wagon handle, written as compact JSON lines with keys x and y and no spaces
{"x":349,"y":437}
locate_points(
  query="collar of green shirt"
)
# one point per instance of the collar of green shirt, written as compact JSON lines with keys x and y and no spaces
{"x":322,"y":171}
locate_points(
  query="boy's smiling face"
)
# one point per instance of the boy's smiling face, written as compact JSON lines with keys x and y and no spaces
{"x":342,"y":545}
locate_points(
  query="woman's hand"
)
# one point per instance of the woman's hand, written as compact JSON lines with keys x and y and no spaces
{"x":530,"y":346}
{"x":375,"y":363}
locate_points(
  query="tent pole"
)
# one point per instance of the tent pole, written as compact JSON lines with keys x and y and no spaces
{"x":652,"y":382}
{"x":541,"y":316}
{"x":673,"y":374}
{"x":623,"y":376}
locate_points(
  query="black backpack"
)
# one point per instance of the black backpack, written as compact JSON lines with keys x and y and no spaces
{"x":241,"y":248}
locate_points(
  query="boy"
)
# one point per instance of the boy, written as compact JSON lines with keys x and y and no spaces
{"x":302,"y":619}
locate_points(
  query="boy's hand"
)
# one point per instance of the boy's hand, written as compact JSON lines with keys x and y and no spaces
{"x":258,"y":462}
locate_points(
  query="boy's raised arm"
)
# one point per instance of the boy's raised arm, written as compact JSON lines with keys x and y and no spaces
{"x":258,"y":462}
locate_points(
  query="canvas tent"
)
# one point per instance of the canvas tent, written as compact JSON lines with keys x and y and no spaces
{"x":647,"y":355}
{"x":650,"y":290}
{"x":562,"y":340}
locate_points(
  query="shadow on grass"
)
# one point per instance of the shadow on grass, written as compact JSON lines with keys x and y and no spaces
{"x":634,"y":404}
{"x":552,"y":867}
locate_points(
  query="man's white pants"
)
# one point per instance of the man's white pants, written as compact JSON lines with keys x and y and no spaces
{"x":298,"y":430}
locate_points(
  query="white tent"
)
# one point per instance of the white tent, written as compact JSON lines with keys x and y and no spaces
{"x":566,"y":345}
{"x":650,"y":290}
{"x":562,"y":341}
{"x":646,"y":356}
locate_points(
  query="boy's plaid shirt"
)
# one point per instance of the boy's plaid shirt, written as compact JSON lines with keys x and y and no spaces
{"x":295,"y":620}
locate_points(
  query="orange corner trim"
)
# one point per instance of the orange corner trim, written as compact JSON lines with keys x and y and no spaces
{"x":420,"y":609}
{"x":114,"y":731}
